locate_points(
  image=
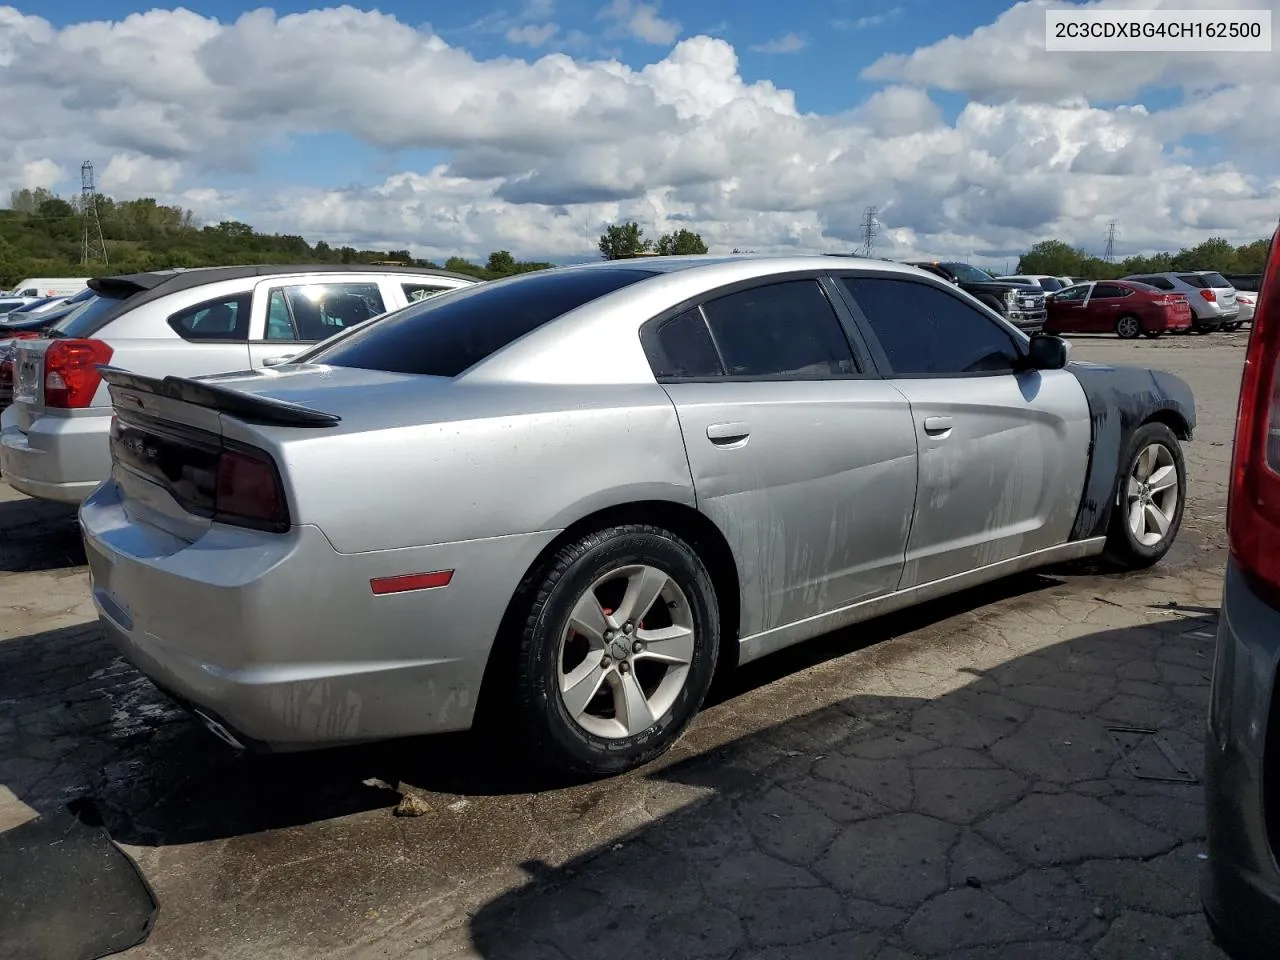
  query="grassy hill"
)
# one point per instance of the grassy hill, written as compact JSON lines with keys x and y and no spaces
{"x":41,"y":236}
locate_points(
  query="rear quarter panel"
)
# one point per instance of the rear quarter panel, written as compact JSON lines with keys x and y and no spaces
{"x":1121,"y":399}
{"x":481,"y":463}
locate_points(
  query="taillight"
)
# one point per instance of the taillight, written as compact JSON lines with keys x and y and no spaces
{"x":6,"y":373}
{"x":1209,"y":295}
{"x":249,"y":492}
{"x":1253,"y":505}
{"x":71,"y":375}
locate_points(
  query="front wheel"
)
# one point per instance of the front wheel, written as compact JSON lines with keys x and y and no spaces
{"x":1151,"y":491}
{"x":618,"y":650}
{"x":1127,"y":327}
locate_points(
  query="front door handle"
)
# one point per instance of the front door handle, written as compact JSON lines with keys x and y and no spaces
{"x":728,"y":434}
{"x":937,"y":426}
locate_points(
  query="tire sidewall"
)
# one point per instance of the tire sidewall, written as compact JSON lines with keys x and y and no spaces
{"x":1129,"y":546}
{"x":584,"y":751}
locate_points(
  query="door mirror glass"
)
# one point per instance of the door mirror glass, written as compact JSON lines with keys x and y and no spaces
{"x":1048,"y":352}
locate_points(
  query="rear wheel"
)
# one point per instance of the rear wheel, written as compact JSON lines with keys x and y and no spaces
{"x":1152,"y":488}
{"x":1233,"y":325}
{"x":1152,"y":334}
{"x":1128,"y":327}
{"x":617,"y":651}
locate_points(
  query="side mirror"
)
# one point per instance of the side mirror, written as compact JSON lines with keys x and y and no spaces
{"x":277,"y":361}
{"x":1047,"y":352}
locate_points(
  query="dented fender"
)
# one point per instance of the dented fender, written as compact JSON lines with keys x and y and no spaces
{"x":1121,"y":399}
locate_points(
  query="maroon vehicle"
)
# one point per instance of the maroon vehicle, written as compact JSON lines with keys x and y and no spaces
{"x":1123,"y":307}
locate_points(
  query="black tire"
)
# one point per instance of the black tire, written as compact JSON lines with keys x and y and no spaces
{"x":1152,"y":334}
{"x":1123,"y":548}
{"x":1233,"y":325}
{"x":1126,"y":331}
{"x":549,"y":595}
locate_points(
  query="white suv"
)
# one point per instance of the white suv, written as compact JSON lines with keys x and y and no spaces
{"x":55,"y":438}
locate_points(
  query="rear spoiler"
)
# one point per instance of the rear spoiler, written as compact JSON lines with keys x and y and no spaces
{"x":246,"y":406}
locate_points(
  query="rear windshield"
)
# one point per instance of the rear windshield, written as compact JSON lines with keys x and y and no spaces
{"x":1249,"y":284}
{"x":443,"y":336}
{"x":92,"y":315}
{"x":1204,"y":280}
{"x":1049,"y":284}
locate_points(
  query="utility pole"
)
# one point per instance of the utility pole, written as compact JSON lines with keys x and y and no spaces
{"x":93,"y":247}
{"x":1110,"y":254}
{"x":869,"y":228}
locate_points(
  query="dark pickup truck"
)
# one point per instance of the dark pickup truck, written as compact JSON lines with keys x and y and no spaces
{"x":1020,"y":304}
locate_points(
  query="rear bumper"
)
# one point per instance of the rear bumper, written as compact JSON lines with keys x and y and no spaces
{"x":1241,"y":883}
{"x":59,"y":458}
{"x":279,"y":638}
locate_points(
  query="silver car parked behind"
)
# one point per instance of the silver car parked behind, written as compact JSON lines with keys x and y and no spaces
{"x":566,"y":497}
{"x":54,"y":438}
{"x":1212,"y":298}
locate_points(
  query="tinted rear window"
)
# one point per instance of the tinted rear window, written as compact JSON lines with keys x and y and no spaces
{"x":443,"y":336}
{"x":1049,"y":284}
{"x":1195,"y":280}
{"x":1247,"y":283}
{"x":1216,"y":280}
{"x":92,"y":315}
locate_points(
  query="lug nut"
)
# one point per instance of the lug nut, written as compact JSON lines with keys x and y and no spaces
{"x":628,"y":627}
{"x":608,"y":635}
{"x":624,"y":667}
{"x":637,"y":647}
{"x":606,"y":663}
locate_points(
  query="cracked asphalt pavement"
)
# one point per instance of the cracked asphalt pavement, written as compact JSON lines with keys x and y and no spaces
{"x":1011,"y":772}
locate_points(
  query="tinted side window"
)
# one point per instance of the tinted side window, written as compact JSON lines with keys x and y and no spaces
{"x":1195,"y":280}
{"x":443,"y":336}
{"x":1072,"y":293}
{"x":924,"y":330}
{"x":683,"y":348}
{"x":780,"y":330}
{"x":1108,"y":290}
{"x":226,"y":318}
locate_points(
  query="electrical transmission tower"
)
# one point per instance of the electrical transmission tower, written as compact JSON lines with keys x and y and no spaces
{"x":93,"y":246}
{"x":1110,"y":255}
{"x":870,"y":226}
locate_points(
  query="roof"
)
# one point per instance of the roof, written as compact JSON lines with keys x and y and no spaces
{"x":142,"y":288}
{"x":766,"y":263}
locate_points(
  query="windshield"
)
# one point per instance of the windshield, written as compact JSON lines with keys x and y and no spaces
{"x":968,"y":274}
{"x":89,"y":317}
{"x":1050,"y":284}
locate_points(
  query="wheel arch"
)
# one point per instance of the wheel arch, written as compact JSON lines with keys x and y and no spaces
{"x":1121,"y":400}
{"x":686,"y":522}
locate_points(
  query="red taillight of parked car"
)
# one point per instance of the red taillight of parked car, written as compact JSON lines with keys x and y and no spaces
{"x":1209,"y":295}
{"x":1253,"y":505}
{"x":71,"y":375}
{"x":249,"y":492}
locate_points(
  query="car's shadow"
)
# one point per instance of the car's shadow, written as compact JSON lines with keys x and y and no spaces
{"x":38,"y":535}
{"x":90,"y":731}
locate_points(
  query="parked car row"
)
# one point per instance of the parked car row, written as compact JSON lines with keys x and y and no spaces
{"x":1151,"y":305}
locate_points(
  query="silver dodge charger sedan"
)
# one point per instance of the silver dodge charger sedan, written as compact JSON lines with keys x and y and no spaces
{"x":572,"y":495}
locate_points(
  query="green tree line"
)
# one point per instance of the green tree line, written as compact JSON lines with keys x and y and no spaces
{"x":41,"y":234}
{"x":622,"y":240}
{"x":1058,"y":259}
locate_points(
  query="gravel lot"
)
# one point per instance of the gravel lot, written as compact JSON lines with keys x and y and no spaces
{"x":940,"y":783}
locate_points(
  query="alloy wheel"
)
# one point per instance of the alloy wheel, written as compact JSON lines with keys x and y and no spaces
{"x":1152,"y":494}
{"x":625,"y":655}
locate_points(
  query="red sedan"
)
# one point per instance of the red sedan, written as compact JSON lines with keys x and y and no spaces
{"x":1122,"y":307}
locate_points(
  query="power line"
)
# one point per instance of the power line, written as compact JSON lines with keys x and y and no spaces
{"x":870,"y":227}
{"x":1110,"y":254}
{"x":93,"y":247}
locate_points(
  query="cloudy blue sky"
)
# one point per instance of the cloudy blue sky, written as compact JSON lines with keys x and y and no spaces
{"x":466,"y":127}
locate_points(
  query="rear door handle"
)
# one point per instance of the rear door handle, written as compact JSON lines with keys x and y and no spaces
{"x":728,"y":434}
{"x":937,"y":426}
